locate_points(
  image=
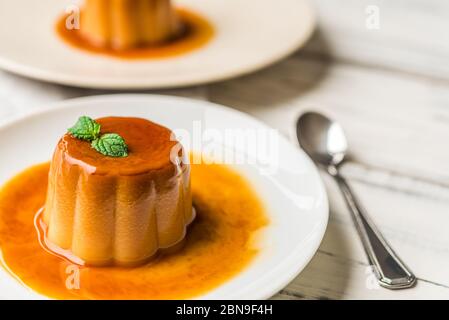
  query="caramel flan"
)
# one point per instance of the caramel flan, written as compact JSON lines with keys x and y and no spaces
{"x":125,"y":24}
{"x":118,"y":210}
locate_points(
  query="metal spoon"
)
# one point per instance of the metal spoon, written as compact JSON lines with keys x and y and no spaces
{"x":325,"y":142}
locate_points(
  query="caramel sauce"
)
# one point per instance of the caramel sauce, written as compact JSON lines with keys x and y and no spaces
{"x":219,"y":243}
{"x":197,"y":33}
{"x":149,"y":145}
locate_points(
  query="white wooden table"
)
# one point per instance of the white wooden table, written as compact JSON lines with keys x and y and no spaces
{"x":389,"y":88}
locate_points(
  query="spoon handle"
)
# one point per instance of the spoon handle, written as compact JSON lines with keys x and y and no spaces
{"x":390,"y":271}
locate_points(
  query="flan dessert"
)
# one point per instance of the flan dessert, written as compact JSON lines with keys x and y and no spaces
{"x":126,"y":24}
{"x":118,"y":210}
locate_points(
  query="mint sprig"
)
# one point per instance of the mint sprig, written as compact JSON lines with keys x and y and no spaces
{"x":85,"y":129}
{"x":109,"y":144}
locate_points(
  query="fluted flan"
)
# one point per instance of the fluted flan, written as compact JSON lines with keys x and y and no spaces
{"x":125,"y":24}
{"x":119,"y":211}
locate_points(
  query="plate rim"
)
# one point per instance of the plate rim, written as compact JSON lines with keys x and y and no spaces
{"x":62,"y":78}
{"x":284,"y":272}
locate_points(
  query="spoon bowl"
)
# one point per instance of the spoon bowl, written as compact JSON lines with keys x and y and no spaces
{"x":321,"y":138}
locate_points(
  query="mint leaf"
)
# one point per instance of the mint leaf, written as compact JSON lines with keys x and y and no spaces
{"x":111,"y":145}
{"x":85,"y":129}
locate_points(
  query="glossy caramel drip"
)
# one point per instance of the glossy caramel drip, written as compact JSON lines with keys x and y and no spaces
{"x":219,"y":245}
{"x":121,"y":211}
{"x":149,"y":146}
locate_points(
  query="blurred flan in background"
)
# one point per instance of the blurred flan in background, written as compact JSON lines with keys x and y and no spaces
{"x":127,"y":24}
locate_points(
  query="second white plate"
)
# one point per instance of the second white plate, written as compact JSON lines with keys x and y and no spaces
{"x":251,"y":34}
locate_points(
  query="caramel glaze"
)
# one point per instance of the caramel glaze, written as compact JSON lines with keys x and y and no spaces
{"x":219,"y":244}
{"x":197,"y":32}
{"x":149,"y":146}
{"x":119,"y":211}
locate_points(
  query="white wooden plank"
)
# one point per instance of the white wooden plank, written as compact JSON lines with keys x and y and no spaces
{"x":386,"y":117}
{"x":331,"y":277}
{"x":414,"y":225}
{"x":19,"y":96}
{"x":414,"y":187}
{"x":413,"y":36}
{"x":393,"y":121}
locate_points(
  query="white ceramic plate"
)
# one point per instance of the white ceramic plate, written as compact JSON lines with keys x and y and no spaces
{"x":287,"y":181}
{"x":251,"y":34}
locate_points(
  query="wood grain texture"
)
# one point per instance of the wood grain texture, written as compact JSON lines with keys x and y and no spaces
{"x":393,"y":121}
{"x":397,"y":164}
{"x":389,"y":88}
{"x":412,"y":37}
